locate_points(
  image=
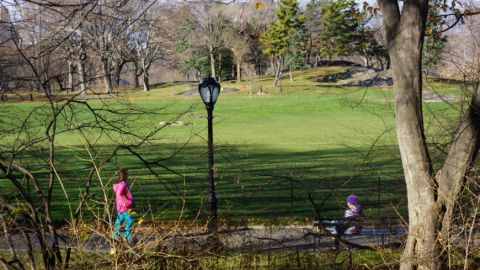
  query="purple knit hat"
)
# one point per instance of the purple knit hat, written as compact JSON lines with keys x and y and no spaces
{"x":352,"y":199}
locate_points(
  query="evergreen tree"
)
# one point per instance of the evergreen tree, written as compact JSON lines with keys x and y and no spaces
{"x":278,"y":41}
{"x":190,"y":56}
{"x":313,"y":24}
{"x":434,"y":42}
{"x":345,"y":32}
{"x":341,"y":22}
{"x":297,"y":55}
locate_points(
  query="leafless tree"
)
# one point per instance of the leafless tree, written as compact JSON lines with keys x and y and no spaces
{"x":210,"y":25}
{"x":103,"y":26}
{"x":152,"y":39}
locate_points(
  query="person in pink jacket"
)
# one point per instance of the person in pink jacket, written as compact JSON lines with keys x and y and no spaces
{"x":123,"y":203}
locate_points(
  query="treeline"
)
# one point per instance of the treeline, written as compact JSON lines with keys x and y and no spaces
{"x":96,"y":45}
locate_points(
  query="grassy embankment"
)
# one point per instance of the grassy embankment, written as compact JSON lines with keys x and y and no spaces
{"x":271,"y":150}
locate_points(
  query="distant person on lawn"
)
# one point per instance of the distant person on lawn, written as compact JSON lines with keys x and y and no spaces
{"x":123,"y":204}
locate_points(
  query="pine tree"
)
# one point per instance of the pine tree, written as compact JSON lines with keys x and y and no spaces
{"x":297,"y":55}
{"x":313,"y":20}
{"x":341,"y":21}
{"x":279,"y":41}
{"x":345,"y":32}
{"x":434,"y":42}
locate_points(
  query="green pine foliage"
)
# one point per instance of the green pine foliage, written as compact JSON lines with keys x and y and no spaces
{"x":278,"y":40}
{"x":345,"y":32}
{"x":434,"y":41}
{"x":287,"y":37}
{"x":341,"y":21}
{"x":313,"y":20}
{"x":297,"y":56}
{"x":190,"y":57}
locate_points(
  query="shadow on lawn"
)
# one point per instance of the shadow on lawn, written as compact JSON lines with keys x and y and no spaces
{"x":252,"y":182}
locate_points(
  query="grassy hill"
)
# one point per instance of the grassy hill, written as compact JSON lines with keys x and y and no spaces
{"x":272,"y":150}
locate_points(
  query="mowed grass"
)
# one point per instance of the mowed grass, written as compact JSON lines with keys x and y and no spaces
{"x":272,"y":151}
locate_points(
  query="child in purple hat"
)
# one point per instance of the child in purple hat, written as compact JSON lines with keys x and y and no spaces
{"x":353,"y":217}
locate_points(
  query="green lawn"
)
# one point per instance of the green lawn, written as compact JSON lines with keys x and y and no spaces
{"x":271,"y":151}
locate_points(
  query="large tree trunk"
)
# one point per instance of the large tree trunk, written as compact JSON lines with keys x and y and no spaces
{"x":451,"y":177}
{"x":431,"y":200}
{"x":405,"y":48}
{"x":405,"y":44}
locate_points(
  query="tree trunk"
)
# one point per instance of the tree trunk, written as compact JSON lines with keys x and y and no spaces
{"x":380,"y":61}
{"x":239,"y":71}
{"x":69,"y":85}
{"x":136,"y":80}
{"x":212,"y":64}
{"x":107,"y":80}
{"x":405,"y":48}
{"x":4,"y":94}
{"x":310,"y":47}
{"x":146,"y":83}
{"x":219,"y":66}
{"x":451,"y":177}
{"x":431,"y":200}
{"x":290,"y":73}
{"x":136,"y":73}
{"x":81,"y":74}
{"x":118,"y":73}
{"x":278,"y":72}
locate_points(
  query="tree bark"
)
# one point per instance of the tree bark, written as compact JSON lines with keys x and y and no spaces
{"x":146,"y":83}
{"x":81,"y":74}
{"x":107,"y":80}
{"x":136,"y":82}
{"x":118,"y":72}
{"x":404,"y":36}
{"x":278,"y":71}
{"x":212,"y":64}
{"x":69,"y":85}
{"x":239,"y":71}
{"x":431,"y":199}
{"x":4,"y":94}
{"x":136,"y":73}
{"x":219,"y":67}
{"x":450,"y":178}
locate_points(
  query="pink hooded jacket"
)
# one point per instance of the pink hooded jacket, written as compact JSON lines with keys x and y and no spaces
{"x":123,"y":197}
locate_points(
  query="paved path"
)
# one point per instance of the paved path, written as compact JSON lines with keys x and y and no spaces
{"x":256,"y":238}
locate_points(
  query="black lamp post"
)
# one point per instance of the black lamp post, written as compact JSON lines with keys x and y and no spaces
{"x":209,"y":90}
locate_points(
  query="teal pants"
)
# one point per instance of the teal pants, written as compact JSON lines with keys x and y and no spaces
{"x":123,"y":217}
